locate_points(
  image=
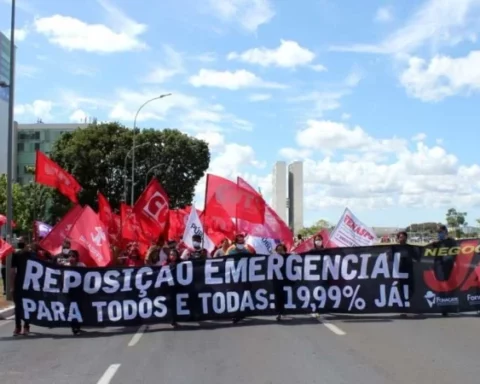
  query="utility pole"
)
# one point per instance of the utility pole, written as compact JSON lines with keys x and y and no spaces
{"x":10,"y":146}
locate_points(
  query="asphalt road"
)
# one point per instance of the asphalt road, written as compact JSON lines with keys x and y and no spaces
{"x":337,"y":350}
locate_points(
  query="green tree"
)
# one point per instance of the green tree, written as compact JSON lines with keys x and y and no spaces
{"x":20,"y":214}
{"x":315,"y":228}
{"x":96,"y":157}
{"x":29,"y":204}
{"x":456,"y":220}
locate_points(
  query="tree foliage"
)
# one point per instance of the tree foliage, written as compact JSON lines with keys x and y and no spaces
{"x":96,"y":156}
{"x":456,"y":220}
{"x":29,"y":204}
{"x":315,"y":228}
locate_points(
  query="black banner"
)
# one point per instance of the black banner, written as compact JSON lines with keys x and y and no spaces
{"x":361,"y":280}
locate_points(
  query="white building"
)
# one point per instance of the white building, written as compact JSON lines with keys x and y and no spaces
{"x":295,"y":196}
{"x":279,"y":190}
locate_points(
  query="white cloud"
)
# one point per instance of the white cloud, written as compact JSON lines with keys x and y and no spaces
{"x":230,"y":80}
{"x":288,"y":55}
{"x":39,"y":109}
{"x":384,"y":15}
{"x":249,"y":14}
{"x":330,"y":136}
{"x":322,"y":101}
{"x":78,"y":116}
{"x":421,"y":176}
{"x":318,"y":68}
{"x":419,"y":137}
{"x":436,"y":22}
{"x":260,"y":97}
{"x":73,"y":34}
{"x":173,"y":65}
{"x":20,"y":34}
{"x":442,"y":76}
{"x":346,"y":116}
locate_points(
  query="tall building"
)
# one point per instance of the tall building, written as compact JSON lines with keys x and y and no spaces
{"x":4,"y":96}
{"x":295,"y":196}
{"x":28,"y":138}
{"x":279,"y":194}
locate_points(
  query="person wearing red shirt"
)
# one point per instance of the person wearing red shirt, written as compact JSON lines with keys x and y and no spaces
{"x":134,"y":259}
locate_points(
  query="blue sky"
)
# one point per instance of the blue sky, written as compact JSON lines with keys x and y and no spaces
{"x":380,"y":99}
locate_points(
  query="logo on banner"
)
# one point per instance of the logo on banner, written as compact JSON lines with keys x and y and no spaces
{"x":98,"y":237}
{"x":430,"y":297}
{"x":433,"y":299}
{"x":155,"y":206}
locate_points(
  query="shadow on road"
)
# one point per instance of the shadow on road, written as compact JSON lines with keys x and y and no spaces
{"x":399,"y":317}
{"x":227,"y":323}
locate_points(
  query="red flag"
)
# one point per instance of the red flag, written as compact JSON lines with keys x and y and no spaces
{"x":3,"y":221}
{"x":151,"y":210}
{"x":177,"y":219}
{"x":111,"y":221}
{"x":235,"y":200}
{"x":307,"y":245}
{"x":273,"y":228}
{"x":53,"y":241}
{"x":49,"y":173}
{"x":5,"y":249}
{"x":89,"y":237}
{"x":217,"y":222}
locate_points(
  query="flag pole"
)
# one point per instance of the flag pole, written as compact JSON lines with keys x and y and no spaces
{"x":204,"y":210}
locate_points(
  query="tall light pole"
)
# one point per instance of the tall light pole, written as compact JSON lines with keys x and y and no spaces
{"x":11,"y":95}
{"x":150,"y":170}
{"x":134,"y":136}
{"x":125,"y":169}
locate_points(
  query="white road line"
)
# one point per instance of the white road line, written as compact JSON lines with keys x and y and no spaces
{"x":137,"y":336}
{"x":109,"y":373}
{"x":332,"y":327}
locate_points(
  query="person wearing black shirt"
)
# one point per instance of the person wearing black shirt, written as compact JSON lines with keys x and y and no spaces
{"x":443,"y":265}
{"x":19,"y":263}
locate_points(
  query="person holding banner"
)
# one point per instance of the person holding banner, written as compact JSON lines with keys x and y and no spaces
{"x":239,"y":246}
{"x":223,"y":249}
{"x":318,"y":243}
{"x":197,"y":252}
{"x":74,"y":261}
{"x":17,"y":275}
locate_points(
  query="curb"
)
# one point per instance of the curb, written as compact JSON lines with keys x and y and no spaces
{"x":7,"y":312}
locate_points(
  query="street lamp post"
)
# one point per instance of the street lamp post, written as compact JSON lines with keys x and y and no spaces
{"x":10,"y":144}
{"x":150,"y":170}
{"x":134,"y":136}
{"x":125,"y":170}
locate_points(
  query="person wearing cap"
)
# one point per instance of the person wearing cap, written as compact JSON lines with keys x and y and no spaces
{"x":197,"y":253}
{"x":239,"y":246}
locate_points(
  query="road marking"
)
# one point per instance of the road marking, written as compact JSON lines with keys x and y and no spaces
{"x":332,"y":327}
{"x":109,"y":373}
{"x":136,"y":338}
